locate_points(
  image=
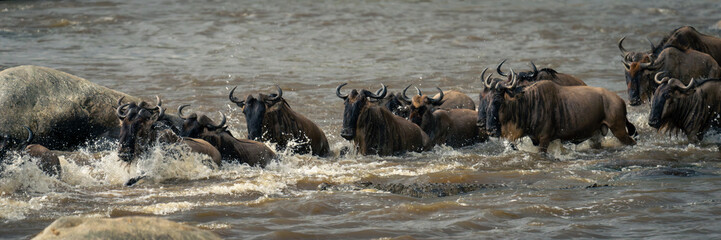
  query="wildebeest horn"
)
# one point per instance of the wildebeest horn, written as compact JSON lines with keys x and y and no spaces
{"x":440,"y":98}
{"x":498,"y":69}
{"x":162,"y":111}
{"x":515,"y":80}
{"x":535,"y":70}
{"x":418,"y":91}
{"x":120,"y":100}
{"x":278,"y":95}
{"x":222,"y":122}
{"x":483,"y":74}
{"x":652,"y":46}
{"x":655,"y":78}
{"x":376,"y":96}
{"x":180,"y":110}
{"x":487,"y":82}
{"x":119,"y":110}
{"x":689,"y":85}
{"x":620,"y":45}
{"x":30,"y":135}
{"x":234,"y":99}
{"x":406,"y":98}
{"x":337,"y":91}
{"x":158,"y":103}
{"x":626,"y":65}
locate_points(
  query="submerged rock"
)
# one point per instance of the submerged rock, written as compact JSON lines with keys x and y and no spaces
{"x":121,"y":228}
{"x":417,"y":190}
{"x":62,"y":110}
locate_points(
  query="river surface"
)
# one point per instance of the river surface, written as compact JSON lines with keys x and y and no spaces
{"x":194,"y":52}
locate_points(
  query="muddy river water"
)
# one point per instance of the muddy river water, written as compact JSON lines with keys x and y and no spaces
{"x":194,"y":52}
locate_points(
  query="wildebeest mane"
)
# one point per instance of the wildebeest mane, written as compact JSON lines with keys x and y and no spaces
{"x":281,"y":123}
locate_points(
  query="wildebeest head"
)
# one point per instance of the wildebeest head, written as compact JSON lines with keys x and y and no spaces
{"x":639,"y":70}
{"x":421,"y":104}
{"x":668,"y":91}
{"x":254,"y":109}
{"x":136,"y":126}
{"x":499,"y":92}
{"x":194,"y":126}
{"x":8,"y":143}
{"x":354,"y":103}
{"x":530,"y":76}
{"x":484,"y":97}
{"x":397,"y":103}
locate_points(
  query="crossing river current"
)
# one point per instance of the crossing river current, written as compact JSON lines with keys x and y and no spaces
{"x":194,"y":52}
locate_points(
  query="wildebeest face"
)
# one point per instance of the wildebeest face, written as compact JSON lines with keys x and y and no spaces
{"x":421,"y":104}
{"x":638,"y":78}
{"x":136,"y":127}
{"x":396,"y":105}
{"x":499,"y":93}
{"x":254,"y":111}
{"x":484,"y":98}
{"x":354,"y":103}
{"x":662,"y":106}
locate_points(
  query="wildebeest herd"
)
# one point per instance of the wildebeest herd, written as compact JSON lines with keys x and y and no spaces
{"x":679,"y":76}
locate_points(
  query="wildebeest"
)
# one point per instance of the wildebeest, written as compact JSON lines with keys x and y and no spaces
{"x":140,"y":128}
{"x":453,"y":127}
{"x":46,"y":159}
{"x":231,"y":149}
{"x":689,"y":37}
{"x":693,"y":108}
{"x":679,"y":63}
{"x":374,"y":129}
{"x":399,"y":103}
{"x":450,"y":99}
{"x":546,"y":111}
{"x":270,"y":118}
{"x":524,"y":79}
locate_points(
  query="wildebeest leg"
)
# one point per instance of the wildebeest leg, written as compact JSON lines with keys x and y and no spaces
{"x":619,"y":130}
{"x":543,"y":144}
{"x":596,"y":140}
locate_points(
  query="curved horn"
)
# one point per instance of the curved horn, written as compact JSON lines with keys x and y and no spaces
{"x":535,"y":70}
{"x":406,"y":98}
{"x":234,"y":99}
{"x":30,"y":135}
{"x":277,"y":96}
{"x":689,"y":85}
{"x":119,"y":109}
{"x":180,"y":111}
{"x":337,"y":91}
{"x":382,"y":95}
{"x":483,"y":74}
{"x":440,"y":98}
{"x":514,"y":82}
{"x":652,"y":46}
{"x":498,"y":69}
{"x":626,"y":65}
{"x":655,"y":78}
{"x":620,"y":46}
{"x":418,"y":91}
{"x":487,"y":82}
{"x":222,"y":122}
{"x":161,"y":113}
{"x":120,"y":100}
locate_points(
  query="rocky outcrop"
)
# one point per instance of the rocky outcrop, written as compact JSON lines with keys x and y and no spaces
{"x":417,"y":190}
{"x":62,"y":110}
{"x":121,"y":228}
